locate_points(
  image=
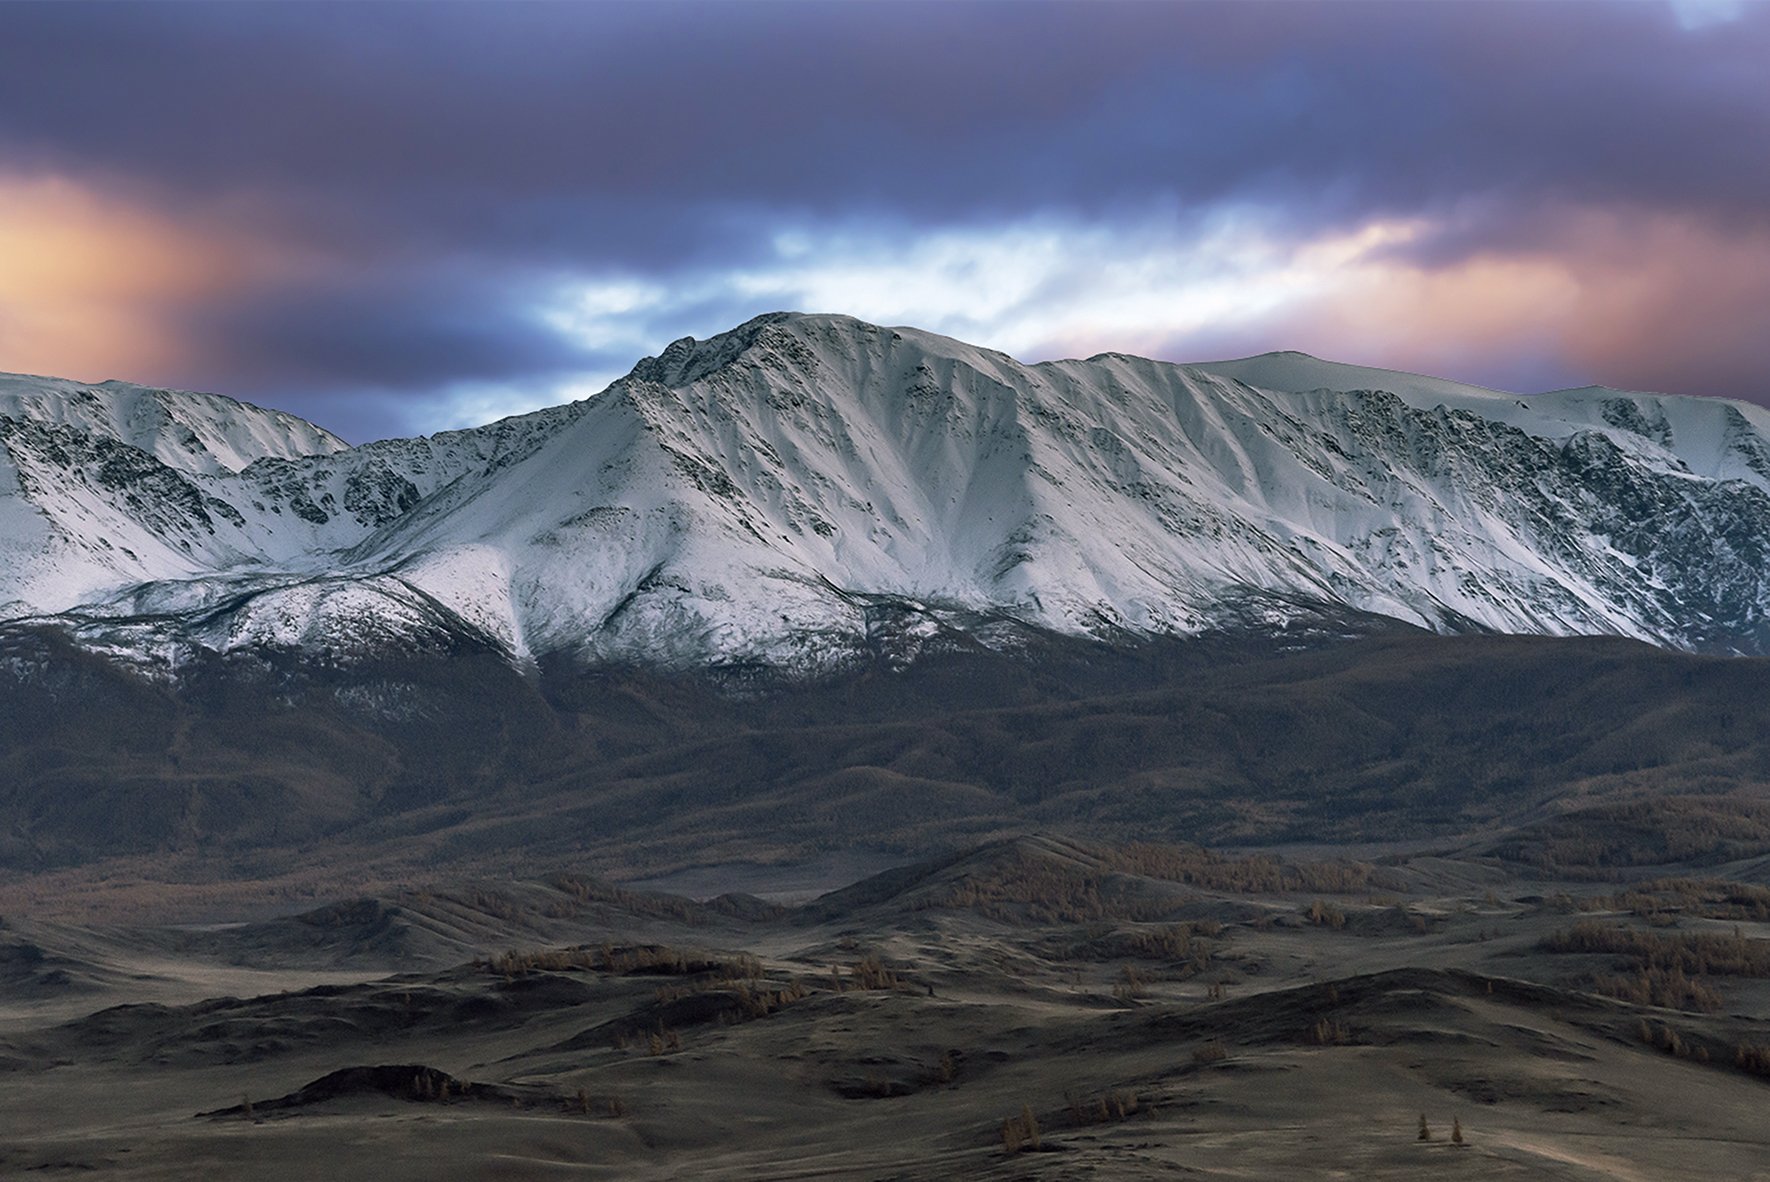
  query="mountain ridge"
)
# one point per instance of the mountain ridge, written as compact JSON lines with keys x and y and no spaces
{"x":808,"y":492}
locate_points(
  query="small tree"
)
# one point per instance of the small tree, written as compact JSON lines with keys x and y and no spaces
{"x":1425,"y":1129}
{"x":1020,"y":1132}
{"x":1210,"y":1052}
{"x":1456,"y":1131}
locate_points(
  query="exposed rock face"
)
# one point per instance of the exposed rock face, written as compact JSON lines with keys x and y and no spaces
{"x":803,"y":489}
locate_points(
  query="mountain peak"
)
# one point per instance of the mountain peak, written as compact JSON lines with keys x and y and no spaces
{"x":807,"y":491}
{"x":688,"y":360}
{"x":800,"y":338}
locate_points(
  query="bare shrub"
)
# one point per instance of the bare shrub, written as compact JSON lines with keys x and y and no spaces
{"x":1133,"y":983}
{"x":1752,"y":1057}
{"x":869,"y":972}
{"x":1020,"y":1133}
{"x":1210,"y":1052}
{"x":1103,"y":1109}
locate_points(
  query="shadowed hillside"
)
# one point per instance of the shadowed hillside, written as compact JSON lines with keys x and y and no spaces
{"x":463,"y":761}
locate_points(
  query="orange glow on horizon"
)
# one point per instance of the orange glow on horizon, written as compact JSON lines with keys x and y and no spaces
{"x":87,"y":284}
{"x":1624,"y":300}
{"x":94,"y":286}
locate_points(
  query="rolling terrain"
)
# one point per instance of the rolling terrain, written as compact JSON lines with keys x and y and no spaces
{"x":264,"y":774}
{"x":1035,"y":1007}
{"x":816,"y":586}
{"x":836,"y":751}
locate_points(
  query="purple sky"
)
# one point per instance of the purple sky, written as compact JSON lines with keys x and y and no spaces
{"x":406,"y":217}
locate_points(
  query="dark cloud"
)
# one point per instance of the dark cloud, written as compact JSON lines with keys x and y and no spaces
{"x":382,"y":145}
{"x":577,"y":127}
{"x":414,"y":333}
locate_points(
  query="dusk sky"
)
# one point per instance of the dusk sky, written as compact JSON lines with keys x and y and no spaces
{"x":407,"y":217}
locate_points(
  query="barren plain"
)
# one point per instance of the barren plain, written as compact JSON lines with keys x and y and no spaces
{"x":1035,"y":1007}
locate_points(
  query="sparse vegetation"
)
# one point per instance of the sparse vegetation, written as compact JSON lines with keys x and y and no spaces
{"x":760,"y":1002}
{"x":1667,"y":988}
{"x":1020,"y":1133}
{"x":1106,"y":1108}
{"x":1665,"y":1038}
{"x":1535,"y":714}
{"x":870,"y":972}
{"x":1667,"y":968}
{"x":1753,"y":1058}
{"x":1132,"y":984}
{"x":1130,"y":923}
{"x":1597,"y":842}
{"x":1187,"y":942}
{"x":662,"y":1040}
{"x":607,"y":958}
{"x":1257,"y":874}
{"x":1031,"y":890}
{"x":586,"y":891}
{"x":1210,"y":1052}
{"x":1042,"y":892}
{"x":655,"y":998}
{"x":1662,"y":900}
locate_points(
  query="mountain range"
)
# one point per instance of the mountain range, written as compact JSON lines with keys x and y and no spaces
{"x":808,"y":493}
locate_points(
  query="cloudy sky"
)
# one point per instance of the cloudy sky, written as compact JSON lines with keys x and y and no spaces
{"x":408,"y":217}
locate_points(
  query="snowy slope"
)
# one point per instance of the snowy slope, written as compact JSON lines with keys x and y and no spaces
{"x":108,"y":484}
{"x":1711,"y":437}
{"x":191,"y":432}
{"x":791,"y":492}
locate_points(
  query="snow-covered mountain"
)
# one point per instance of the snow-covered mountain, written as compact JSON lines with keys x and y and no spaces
{"x":804,"y":489}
